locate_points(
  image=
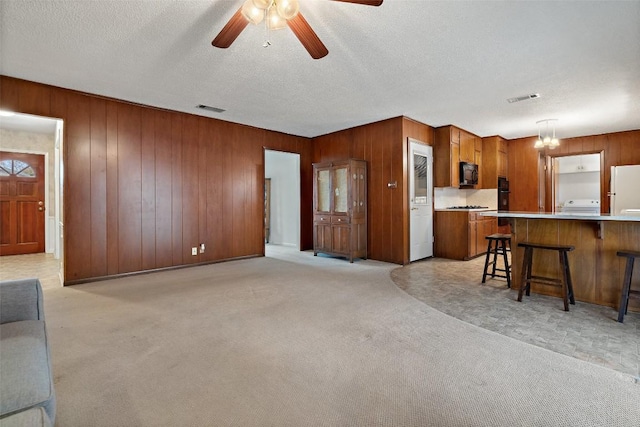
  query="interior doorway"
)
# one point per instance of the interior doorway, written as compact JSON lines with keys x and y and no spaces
{"x":576,"y":182}
{"x":282,"y":200}
{"x":29,"y":135}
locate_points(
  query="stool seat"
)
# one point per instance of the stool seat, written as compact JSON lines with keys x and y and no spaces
{"x":497,"y":236}
{"x":497,"y":246}
{"x":564,"y":282}
{"x":626,"y":292}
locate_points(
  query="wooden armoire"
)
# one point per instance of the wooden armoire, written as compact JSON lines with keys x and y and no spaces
{"x":340,"y":208}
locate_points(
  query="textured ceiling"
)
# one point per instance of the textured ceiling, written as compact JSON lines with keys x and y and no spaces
{"x":436,"y":62}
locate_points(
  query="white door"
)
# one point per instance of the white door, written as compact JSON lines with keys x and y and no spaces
{"x":420,"y":200}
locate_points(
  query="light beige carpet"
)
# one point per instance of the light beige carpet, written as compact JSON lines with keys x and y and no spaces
{"x":304,"y":341}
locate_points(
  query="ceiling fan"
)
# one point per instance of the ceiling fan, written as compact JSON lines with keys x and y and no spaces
{"x":277,"y":14}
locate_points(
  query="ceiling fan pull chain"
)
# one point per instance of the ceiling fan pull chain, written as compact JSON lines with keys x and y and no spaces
{"x":267,"y":32}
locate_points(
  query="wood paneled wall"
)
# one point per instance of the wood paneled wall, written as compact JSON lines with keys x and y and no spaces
{"x":142,"y":186}
{"x":619,"y":148}
{"x":384,"y":146}
{"x":523,"y":175}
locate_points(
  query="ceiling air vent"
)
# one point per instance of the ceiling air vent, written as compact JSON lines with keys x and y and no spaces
{"x":523,"y":98}
{"x":214,"y":109}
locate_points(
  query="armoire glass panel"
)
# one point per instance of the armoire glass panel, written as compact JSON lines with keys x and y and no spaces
{"x":324,"y":198}
{"x":340,"y":185}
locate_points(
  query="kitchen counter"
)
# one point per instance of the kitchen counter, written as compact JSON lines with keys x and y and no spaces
{"x":563,"y":216}
{"x":597,"y":272}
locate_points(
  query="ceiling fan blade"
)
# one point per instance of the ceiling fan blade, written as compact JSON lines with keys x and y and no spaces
{"x":231,"y":31}
{"x":363,"y":2}
{"x":307,"y":36}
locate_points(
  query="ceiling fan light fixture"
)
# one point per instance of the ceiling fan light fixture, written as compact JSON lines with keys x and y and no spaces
{"x":274,"y":20}
{"x":262,"y":4}
{"x":252,"y":13}
{"x":288,"y":9}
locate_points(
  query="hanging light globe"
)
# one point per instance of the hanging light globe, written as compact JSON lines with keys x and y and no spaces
{"x":262,"y":4}
{"x":252,"y":13}
{"x":287,"y":9}
{"x":274,"y":20}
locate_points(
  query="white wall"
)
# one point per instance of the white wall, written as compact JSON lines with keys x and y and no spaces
{"x":284,"y":171}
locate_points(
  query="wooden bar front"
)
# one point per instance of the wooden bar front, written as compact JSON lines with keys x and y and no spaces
{"x":596,"y":270}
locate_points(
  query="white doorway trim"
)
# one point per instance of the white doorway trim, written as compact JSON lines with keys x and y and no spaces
{"x":283,"y":168}
{"x":420,"y":200}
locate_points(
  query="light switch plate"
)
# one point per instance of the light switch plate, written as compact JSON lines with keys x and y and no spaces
{"x":194,"y":251}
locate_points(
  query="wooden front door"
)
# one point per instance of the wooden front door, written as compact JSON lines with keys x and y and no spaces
{"x":21,"y":203}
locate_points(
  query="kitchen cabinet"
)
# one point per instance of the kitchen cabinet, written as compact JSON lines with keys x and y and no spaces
{"x":495,"y":160}
{"x":340,"y":208}
{"x":467,"y":147}
{"x":453,"y":145}
{"x":579,"y":164}
{"x":477,"y":159}
{"x":460,"y":234}
{"x":446,"y":157}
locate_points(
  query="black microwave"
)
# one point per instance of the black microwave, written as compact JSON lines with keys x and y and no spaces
{"x":468,"y":173}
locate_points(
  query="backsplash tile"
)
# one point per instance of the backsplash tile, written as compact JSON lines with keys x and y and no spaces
{"x":448,"y":196}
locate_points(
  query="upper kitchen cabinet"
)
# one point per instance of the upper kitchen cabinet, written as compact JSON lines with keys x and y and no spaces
{"x":467,"y":147}
{"x":452,"y":146}
{"x":477,"y":158}
{"x":446,"y":155}
{"x":494,"y":160}
{"x":579,"y":164}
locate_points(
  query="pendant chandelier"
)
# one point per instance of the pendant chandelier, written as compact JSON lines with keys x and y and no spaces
{"x":547,"y":139}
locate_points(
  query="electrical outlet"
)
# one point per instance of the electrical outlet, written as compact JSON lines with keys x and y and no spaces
{"x":194,"y":251}
{"x":201,"y":248}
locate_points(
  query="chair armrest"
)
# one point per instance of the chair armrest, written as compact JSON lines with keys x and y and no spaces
{"x":21,"y":300}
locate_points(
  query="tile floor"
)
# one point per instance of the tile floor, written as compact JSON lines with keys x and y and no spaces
{"x":43,"y":266}
{"x":588,"y":332}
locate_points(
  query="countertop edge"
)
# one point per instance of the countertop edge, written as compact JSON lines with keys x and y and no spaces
{"x":561,"y":216}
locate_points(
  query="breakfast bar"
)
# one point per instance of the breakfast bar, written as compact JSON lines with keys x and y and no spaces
{"x":596,"y":270}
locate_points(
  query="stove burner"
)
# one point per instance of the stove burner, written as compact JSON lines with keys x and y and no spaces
{"x":468,"y":207}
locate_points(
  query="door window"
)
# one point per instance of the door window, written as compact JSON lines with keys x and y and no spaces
{"x":420,"y":179}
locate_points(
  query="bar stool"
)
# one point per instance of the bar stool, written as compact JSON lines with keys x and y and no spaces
{"x":564,"y":282}
{"x":626,"y":292}
{"x":497,"y":246}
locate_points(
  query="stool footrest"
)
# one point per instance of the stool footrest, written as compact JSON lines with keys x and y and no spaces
{"x":563,"y":248}
{"x":546,"y":280}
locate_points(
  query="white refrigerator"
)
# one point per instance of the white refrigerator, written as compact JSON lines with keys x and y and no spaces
{"x":625,"y":191}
